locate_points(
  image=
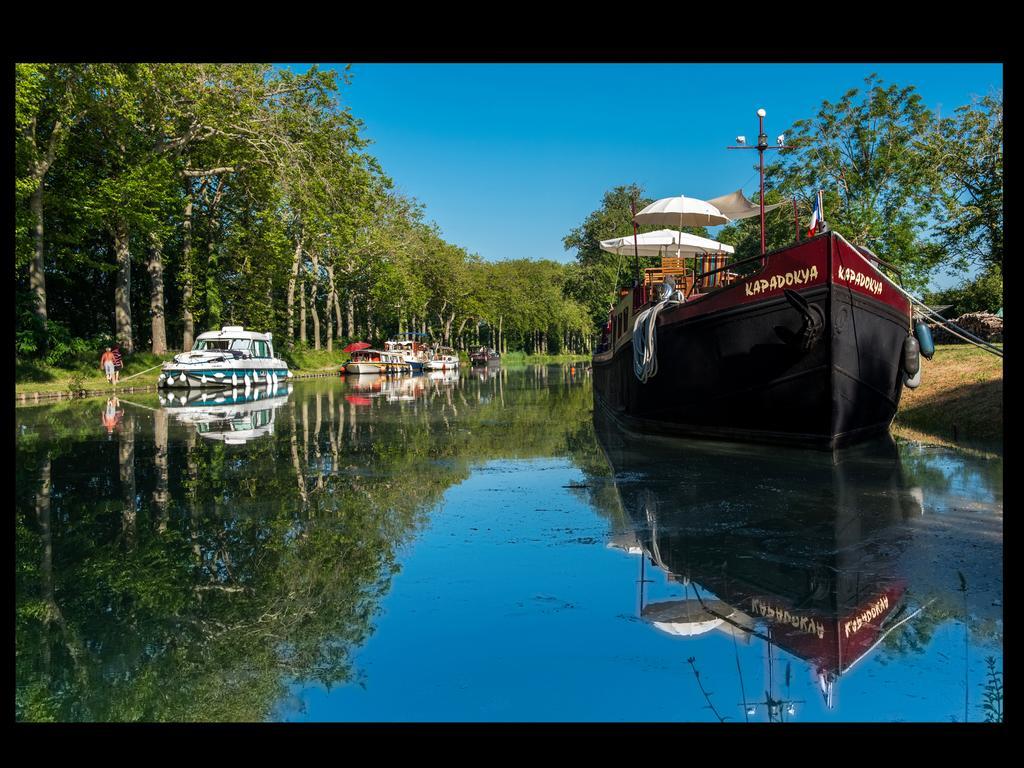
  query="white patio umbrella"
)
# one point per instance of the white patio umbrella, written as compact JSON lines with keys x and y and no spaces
{"x":687,"y":618}
{"x":681,"y":212}
{"x":658,"y":242}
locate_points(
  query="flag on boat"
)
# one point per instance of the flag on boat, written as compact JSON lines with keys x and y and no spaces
{"x":815,"y":215}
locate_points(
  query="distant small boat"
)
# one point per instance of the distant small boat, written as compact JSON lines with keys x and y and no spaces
{"x":412,"y":351}
{"x":376,"y":362}
{"x":442,"y":359}
{"x":484,"y":356}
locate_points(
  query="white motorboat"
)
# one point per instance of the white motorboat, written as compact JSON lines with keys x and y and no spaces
{"x":230,"y":357}
{"x":442,"y":359}
{"x":378,"y":362}
{"x":413,"y":352}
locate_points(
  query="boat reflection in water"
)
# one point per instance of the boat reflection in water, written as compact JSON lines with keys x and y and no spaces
{"x":795,"y":547}
{"x":446,"y":377}
{"x":392,"y":388}
{"x":232,"y":416}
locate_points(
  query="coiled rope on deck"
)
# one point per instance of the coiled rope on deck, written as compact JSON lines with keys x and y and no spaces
{"x":645,"y":345}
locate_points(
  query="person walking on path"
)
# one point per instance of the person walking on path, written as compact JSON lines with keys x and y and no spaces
{"x":118,"y":363}
{"x":107,"y":364}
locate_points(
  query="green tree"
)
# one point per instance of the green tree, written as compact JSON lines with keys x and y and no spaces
{"x":968,"y":148}
{"x":865,"y":151}
{"x":983,"y":294}
{"x":598,"y":273}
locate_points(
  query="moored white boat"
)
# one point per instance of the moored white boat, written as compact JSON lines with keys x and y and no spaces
{"x":413,"y":352}
{"x":442,"y":359}
{"x":376,"y":362}
{"x":230,"y":357}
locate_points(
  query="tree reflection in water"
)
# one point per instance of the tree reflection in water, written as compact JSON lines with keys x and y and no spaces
{"x":179,"y":572}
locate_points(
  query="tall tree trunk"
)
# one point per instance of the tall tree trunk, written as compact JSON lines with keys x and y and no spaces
{"x":37,"y":271}
{"x":188,"y":322}
{"x":302,"y":307}
{"x":37,"y":268}
{"x":156,"y":297}
{"x":291,"y":289}
{"x":350,"y":312}
{"x":122,"y":293}
{"x":332,"y":304}
{"x":213,"y":277}
{"x":315,"y":279}
{"x":328,"y":319}
{"x":461,"y":335}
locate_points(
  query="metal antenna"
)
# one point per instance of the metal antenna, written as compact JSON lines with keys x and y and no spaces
{"x":762,"y":145}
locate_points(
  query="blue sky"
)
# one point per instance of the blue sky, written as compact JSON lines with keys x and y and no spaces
{"x":508,"y":158}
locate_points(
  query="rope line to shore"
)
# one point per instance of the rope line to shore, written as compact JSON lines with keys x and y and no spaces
{"x":929,"y":312}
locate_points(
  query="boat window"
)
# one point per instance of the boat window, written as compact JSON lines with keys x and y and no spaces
{"x":261,"y":349}
{"x":211,"y":344}
{"x":243,"y":345}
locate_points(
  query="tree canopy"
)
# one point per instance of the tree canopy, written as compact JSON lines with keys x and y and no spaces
{"x":248,"y":195}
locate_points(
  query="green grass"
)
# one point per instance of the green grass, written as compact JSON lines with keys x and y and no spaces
{"x":33,"y":376}
{"x":522,"y":358}
{"x":960,"y":399}
{"x":302,"y":360}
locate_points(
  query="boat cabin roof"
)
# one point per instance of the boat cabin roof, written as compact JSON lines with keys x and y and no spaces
{"x":234,"y":332}
{"x":378,"y":353}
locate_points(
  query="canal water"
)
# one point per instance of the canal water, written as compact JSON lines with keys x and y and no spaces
{"x":479,"y":547}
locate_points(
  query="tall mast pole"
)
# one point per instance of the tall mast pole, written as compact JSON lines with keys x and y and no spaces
{"x":636,"y":247}
{"x":762,"y":145}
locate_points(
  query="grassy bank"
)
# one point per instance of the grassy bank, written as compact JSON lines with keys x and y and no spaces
{"x":302,"y":360}
{"x":32,"y":377}
{"x":960,"y":399}
{"x":521,"y":358}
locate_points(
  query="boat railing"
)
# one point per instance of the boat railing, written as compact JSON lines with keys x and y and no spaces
{"x":874,"y":257}
{"x":727,"y":269}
